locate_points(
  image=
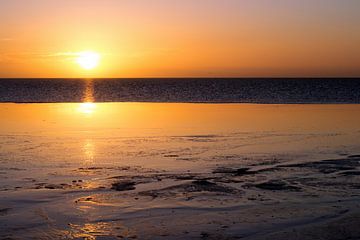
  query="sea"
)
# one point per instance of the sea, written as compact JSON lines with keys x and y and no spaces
{"x":183,"y":90}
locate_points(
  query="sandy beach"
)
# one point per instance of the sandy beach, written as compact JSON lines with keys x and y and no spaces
{"x":99,"y":171}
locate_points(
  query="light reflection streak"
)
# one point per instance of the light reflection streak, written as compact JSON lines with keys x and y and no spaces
{"x":89,"y":151}
{"x":92,"y":231}
{"x":89,"y":91}
{"x":88,"y":106}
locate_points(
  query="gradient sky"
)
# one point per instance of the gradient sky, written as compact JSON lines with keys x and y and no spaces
{"x":178,"y":38}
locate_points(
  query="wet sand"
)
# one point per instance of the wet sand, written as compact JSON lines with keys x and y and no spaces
{"x":179,"y":171}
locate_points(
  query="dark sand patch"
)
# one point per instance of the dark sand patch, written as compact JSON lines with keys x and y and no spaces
{"x":4,"y":211}
{"x":57,"y":186}
{"x":243,"y":170}
{"x":191,"y":187}
{"x":171,"y":156}
{"x":142,"y":179}
{"x":351,"y":173}
{"x":328,"y":166}
{"x":123,"y":186}
{"x":234,"y":171}
{"x":277,"y":185}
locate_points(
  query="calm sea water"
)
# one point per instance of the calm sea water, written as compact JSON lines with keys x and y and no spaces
{"x":181,"y":90}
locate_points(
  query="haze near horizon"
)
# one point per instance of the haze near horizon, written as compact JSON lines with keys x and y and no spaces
{"x":187,"y":38}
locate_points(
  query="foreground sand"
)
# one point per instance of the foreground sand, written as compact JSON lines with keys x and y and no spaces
{"x":242,"y":179}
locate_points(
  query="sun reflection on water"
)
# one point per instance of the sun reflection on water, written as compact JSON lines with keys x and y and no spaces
{"x":96,"y":230}
{"x":88,"y":106}
{"x":89,"y":151}
{"x":89,"y":91}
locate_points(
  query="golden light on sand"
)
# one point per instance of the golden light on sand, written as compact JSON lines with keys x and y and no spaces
{"x":88,"y":60}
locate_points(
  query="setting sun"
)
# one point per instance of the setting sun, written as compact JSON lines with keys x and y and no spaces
{"x":88,"y":60}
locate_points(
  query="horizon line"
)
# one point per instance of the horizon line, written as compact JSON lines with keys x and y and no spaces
{"x":217,"y":77}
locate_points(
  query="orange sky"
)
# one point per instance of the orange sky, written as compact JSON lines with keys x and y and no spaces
{"x":173,"y":38}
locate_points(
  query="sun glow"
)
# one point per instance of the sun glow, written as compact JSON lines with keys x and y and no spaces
{"x":87,"y":108}
{"x":88,"y":60}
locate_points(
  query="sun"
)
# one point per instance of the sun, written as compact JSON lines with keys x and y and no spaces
{"x":88,"y":60}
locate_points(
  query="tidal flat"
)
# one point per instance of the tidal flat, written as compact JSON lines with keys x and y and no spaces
{"x":179,"y":171}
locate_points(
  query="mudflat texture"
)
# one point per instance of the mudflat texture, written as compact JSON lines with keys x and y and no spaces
{"x":99,"y":171}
